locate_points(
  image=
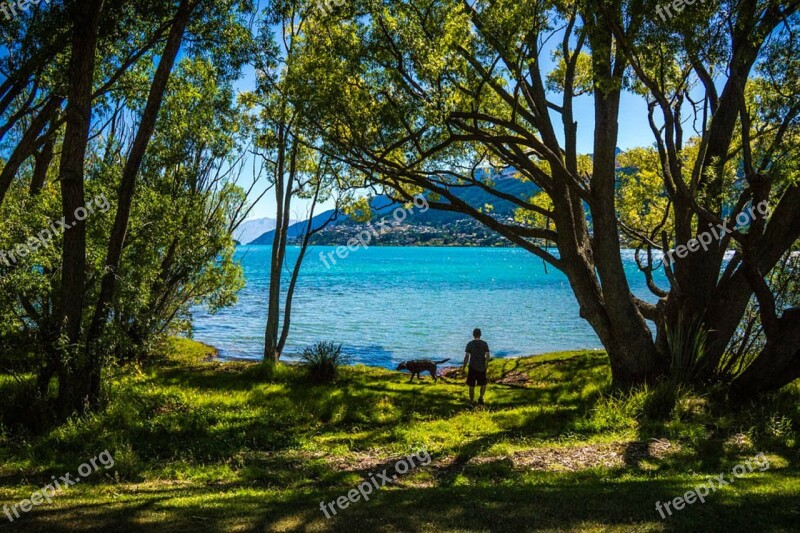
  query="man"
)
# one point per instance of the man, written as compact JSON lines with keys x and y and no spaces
{"x":477,"y":356}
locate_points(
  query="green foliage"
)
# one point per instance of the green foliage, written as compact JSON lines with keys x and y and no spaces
{"x":686,"y":340}
{"x":641,"y":201}
{"x":323,"y":360}
{"x":179,"y":251}
{"x":582,"y":84}
{"x":534,"y":219}
{"x":31,"y":282}
{"x":660,"y":401}
{"x":772,"y":423}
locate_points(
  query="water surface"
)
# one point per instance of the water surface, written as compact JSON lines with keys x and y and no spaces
{"x":388,"y":304}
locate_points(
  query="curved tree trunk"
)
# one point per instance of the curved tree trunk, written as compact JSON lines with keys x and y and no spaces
{"x":309,"y":232}
{"x":44,"y":157}
{"x":778,"y":364}
{"x":132,"y":165}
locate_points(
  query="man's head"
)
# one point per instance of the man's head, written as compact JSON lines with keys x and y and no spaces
{"x":476,"y":333}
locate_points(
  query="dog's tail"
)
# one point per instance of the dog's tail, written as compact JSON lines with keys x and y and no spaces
{"x":442,"y":361}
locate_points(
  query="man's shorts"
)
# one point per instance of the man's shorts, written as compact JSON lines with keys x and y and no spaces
{"x":475,"y":377}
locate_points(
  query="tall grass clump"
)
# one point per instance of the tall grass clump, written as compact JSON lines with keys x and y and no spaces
{"x":687,"y":341}
{"x":660,"y":399}
{"x":323,"y":360}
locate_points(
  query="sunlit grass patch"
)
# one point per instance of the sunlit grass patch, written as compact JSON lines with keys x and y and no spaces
{"x":244,"y":446}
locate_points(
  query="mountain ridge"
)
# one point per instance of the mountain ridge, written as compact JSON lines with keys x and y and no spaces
{"x":422,"y":227}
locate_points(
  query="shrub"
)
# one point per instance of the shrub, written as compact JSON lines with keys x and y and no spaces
{"x":660,"y":400}
{"x":323,"y":360}
{"x":687,"y":340}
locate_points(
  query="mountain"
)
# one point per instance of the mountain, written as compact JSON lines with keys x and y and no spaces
{"x":250,"y":230}
{"x":430,"y":227}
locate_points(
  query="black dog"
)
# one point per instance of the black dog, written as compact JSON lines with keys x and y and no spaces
{"x":420,"y":365}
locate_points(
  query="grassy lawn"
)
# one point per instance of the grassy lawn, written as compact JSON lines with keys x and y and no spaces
{"x":201,"y":445}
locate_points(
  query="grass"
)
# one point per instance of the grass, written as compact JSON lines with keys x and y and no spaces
{"x":200,"y":444}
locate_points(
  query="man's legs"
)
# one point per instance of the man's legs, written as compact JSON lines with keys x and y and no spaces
{"x":471,"y":393}
{"x":483,"y":391}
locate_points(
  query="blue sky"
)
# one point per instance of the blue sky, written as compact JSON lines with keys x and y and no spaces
{"x":634,"y":131}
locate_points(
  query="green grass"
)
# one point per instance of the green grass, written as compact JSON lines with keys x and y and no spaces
{"x":204,"y":445}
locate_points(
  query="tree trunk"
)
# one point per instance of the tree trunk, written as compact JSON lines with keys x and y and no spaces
{"x":132,"y":165}
{"x":128,"y":188}
{"x":27,"y":145}
{"x":778,"y":364}
{"x":287,"y":311}
{"x":73,"y":383}
{"x":622,"y":328}
{"x":43,"y":160}
{"x":274,"y":292}
{"x":310,"y":230}
{"x":284,"y":183}
{"x":733,"y":293}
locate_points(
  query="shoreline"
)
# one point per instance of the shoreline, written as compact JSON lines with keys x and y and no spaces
{"x":215,"y":356}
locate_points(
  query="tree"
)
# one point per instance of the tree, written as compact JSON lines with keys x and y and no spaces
{"x":433,"y":94}
{"x":295,"y":167}
{"x":85,"y":20}
{"x":179,"y":253}
{"x":127,"y":187}
{"x":736,"y":159}
{"x":108,"y":77}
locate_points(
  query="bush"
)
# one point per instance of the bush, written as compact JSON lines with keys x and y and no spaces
{"x":661,"y":400}
{"x":687,"y":340}
{"x":323,"y":360}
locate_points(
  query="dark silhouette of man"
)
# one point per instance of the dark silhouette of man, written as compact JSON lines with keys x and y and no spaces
{"x":477,"y":357}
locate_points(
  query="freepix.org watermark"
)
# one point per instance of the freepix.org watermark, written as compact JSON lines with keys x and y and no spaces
{"x":9,"y":9}
{"x":45,"y":237}
{"x":707,"y":237}
{"x":677,"y":5}
{"x":46,"y":493}
{"x":701,"y":491}
{"x":365,"y":488}
{"x":365,"y":236}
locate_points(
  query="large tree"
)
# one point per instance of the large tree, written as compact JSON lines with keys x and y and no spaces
{"x":439,"y":94}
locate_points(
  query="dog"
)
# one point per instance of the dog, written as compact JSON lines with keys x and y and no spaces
{"x":420,"y":365}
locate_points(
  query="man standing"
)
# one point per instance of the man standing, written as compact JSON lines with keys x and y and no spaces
{"x":477,"y":356}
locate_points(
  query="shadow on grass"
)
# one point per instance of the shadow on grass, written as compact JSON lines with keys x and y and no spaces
{"x":567,"y":502}
{"x":277,"y":488}
{"x":553,"y":506}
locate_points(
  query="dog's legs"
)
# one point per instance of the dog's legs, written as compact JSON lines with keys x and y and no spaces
{"x":411,"y":378}
{"x":433,"y":373}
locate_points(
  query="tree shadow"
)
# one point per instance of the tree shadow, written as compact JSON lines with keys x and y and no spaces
{"x":571,"y":503}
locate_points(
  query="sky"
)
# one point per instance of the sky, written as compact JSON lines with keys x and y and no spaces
{"x":634,"y":132}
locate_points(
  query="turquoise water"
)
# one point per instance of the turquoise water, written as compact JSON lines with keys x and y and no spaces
{"x":388,"y":304}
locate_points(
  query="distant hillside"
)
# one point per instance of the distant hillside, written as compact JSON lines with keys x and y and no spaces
{"x":432,"y":227}
{"x":250,"y":230}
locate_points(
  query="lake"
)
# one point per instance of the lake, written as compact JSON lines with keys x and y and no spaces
{"x":388,"y":304}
